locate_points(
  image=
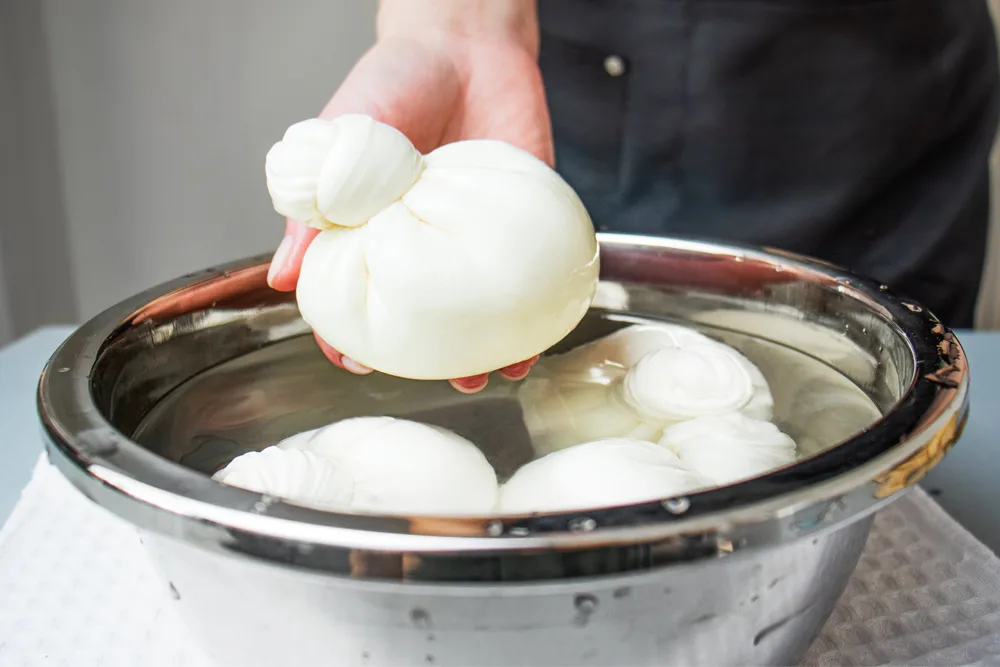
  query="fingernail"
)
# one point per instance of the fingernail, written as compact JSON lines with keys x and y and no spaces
{"x":279,"y":259}
{"x":355,"y":367}
{"x":335,"y":357}
{"x":472,"y":384}
{"x":520,"y":370}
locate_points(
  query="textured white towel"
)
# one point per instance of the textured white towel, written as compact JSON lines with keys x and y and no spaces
{"x":76,"y":589}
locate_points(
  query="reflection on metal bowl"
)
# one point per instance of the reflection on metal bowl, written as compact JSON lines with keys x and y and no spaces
{"x":145,"y":401}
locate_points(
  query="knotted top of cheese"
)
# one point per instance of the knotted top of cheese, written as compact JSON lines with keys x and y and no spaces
{"x":668,"y":372}
{"x":471,"y":258}
{"x":678,"y":383}
{"x":296,"y":475}
{"x":730,"y":447}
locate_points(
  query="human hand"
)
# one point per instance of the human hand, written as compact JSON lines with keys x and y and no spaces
{"x":441,"y":72}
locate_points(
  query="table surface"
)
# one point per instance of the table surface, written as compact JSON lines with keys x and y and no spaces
{"x":966,"y":483}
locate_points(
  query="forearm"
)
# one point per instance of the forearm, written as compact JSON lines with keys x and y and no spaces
{"x":514,"y":20}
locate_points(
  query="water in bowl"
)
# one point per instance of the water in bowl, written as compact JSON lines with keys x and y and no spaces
{"x":256,"y":400}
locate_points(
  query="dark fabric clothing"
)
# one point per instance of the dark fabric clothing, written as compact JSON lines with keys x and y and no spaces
{"x":856,"y":131}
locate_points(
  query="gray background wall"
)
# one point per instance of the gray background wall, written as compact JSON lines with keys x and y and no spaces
{"x":134,"y":132}
{"x":132,"y":136}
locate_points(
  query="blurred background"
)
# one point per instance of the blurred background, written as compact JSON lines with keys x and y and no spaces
{"x":133,"y":135}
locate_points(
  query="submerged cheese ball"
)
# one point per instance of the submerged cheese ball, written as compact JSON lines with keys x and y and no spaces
{"x":403,"y":467}
{"x":611,"y":357}
{"x":604,"y":473}
{"x":294,"y":475}
{"x":634,"y":383}
{"x":678,"y":383}
{"x":730,"y":447}
{"x":469,"y":259}
{"x":373,"y":464}
{"x":561,"y":414}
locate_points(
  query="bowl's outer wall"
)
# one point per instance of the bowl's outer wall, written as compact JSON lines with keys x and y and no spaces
{"x":759,"y":608}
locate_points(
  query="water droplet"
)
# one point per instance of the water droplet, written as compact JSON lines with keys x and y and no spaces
{"x":582,"y":524}
{"x":586,"y":605}
{"x":494,"y":528}
{"x":64,"y":369}
{"x":260,"y":507}
{"x":677,"y":505}
{"x":421,"y":618}
{"x":884,"y":288}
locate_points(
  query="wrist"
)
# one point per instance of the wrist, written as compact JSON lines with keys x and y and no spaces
{"x":492,"y":20}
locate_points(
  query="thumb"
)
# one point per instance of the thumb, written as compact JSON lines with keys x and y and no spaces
{"x":286,"y":264}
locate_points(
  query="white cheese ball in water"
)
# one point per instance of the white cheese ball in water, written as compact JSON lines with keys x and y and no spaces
{"x":729,"y":448}
{"x":404,"y":467}
{"x":604,"y":473}
{"x":559,"y":414}
{"x":295,"y":475}
{"x":678,"y":383}
{"x":635,"y":382}
{"x":611,"y":357}
{"x":471,"y":258}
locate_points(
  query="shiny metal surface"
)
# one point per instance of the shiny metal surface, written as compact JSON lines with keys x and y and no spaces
{"x":253,"y":571}
{"x":761,"y":608}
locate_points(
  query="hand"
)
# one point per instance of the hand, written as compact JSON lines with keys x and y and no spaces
{"x":441,"y":72}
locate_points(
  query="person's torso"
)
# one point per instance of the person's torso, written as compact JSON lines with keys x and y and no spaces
{"x":853,"y":130}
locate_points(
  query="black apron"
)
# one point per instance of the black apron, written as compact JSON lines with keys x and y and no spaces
{"x":856,"y":131}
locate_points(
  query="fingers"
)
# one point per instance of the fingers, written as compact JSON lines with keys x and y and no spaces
{"x":339,"y":360}
{"x":476,"y":383}
{"x":472,"y":384}
{"x":467,"y":385}
{"x":520,"y":370}
{"x":287,"y":261}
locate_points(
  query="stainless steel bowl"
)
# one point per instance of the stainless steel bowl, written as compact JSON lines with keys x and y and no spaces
{"x":147,"y":398}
